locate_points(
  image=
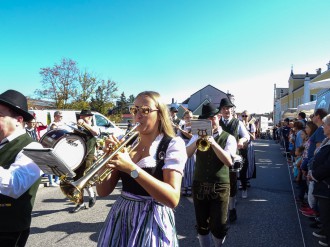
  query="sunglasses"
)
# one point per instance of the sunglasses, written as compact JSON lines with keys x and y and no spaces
{"x":144,"y":110}
{"x":244,"y":115}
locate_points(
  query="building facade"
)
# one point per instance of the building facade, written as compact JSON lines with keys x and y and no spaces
{"x":298,"y":92}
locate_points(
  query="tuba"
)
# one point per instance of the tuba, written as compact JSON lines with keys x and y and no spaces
{"x":73,"y":189}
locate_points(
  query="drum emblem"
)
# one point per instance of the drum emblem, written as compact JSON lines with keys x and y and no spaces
{"x":72,"y":143}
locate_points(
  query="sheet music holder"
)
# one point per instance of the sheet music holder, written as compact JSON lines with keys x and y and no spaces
{"x":48,"y":161}
{"x":201,"y":124}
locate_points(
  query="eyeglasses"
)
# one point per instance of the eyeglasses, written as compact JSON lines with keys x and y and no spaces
{"x":244,"y":115}
{"x":144,"y":110}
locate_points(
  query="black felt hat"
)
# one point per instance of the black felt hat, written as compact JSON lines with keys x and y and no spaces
{"x":16,"y":102}
{"x":86,"y":113}
{"x":225,"y":102}
{"x":208,"y":110}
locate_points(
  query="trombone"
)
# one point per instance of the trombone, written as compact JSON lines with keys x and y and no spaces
{"x":73,"y":189}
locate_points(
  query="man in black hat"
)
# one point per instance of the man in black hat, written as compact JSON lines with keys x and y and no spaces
{"x":85,"y":124}
{"x":19,"y":175}
{"x":236,"y":128}
{"x":211,"y":180}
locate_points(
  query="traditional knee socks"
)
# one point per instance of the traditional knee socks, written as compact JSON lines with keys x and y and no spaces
{"x":232,"y":202}
{"x":204,"y":240}
{"x":218,"y":241}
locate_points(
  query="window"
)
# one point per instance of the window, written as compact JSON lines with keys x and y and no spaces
{"x":102,"y":121}
{"x":313,"y":97}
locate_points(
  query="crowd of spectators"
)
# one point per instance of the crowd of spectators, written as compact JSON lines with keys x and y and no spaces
{"x":306,"y":146}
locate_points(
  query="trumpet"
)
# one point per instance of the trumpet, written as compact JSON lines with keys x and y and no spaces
{"x":84,"y":125}
{"x":73,"y":189}
{"x":202,"y":143}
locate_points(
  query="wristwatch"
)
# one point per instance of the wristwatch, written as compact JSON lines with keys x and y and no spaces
{"x":134,"y":174}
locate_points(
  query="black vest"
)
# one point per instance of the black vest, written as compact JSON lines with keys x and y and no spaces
{"x":131,"y":186}
{"x":231,"y":127}
{"x":15,"y":214}
{"x":208,"y":167}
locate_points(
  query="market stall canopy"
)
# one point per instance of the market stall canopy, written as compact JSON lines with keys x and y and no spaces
{"x":308,"y":108}
{"x":290,"y":113}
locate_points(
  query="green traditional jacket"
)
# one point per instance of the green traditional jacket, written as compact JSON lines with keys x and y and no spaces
{"x":15,"y":214}
{"x":208,"y":167}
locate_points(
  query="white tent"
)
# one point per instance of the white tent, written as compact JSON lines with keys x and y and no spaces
{"x":320,"y":84}
{"x":308,"y":108}
{"x":290,"y":113}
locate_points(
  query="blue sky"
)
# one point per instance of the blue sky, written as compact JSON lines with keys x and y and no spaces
{"x":173,"y":47}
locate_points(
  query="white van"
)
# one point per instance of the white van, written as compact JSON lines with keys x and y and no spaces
{"x":105,"y":126}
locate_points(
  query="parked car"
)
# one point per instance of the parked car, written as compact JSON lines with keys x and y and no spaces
{"x":70,"y":117}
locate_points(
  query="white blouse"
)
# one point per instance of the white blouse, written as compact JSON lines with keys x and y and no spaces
{"x":175,"y":157}
{"x":22,"y":174}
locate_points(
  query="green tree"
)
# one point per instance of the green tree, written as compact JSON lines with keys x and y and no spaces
{"x":87,"y":84}
{"x":131,"y":98}
{"x":105,"y":95}
{"x":122,"y":104}
{"x":70,"y":88}
{"x":59,"y":82}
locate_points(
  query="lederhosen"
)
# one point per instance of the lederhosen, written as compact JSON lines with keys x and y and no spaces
{"x":15,"y":214}
{"x":211,"y":191}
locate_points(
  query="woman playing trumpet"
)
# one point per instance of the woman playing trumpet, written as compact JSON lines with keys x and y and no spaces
{"x":151,"y":176}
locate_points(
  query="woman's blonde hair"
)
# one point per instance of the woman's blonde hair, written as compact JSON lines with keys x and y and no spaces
{"x":165,"y":125}
{"x":187,"y":112}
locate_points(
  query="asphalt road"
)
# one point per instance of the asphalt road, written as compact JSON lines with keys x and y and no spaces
{"x":268,"y":217}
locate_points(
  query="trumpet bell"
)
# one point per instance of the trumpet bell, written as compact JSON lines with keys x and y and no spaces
{"x":72,"y":192}
{"x":203,"y":145}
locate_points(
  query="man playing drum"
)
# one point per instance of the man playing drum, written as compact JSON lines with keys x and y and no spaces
{"x":85,"y":124}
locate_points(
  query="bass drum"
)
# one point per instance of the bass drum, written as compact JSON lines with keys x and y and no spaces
{"x":70,"y":147}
